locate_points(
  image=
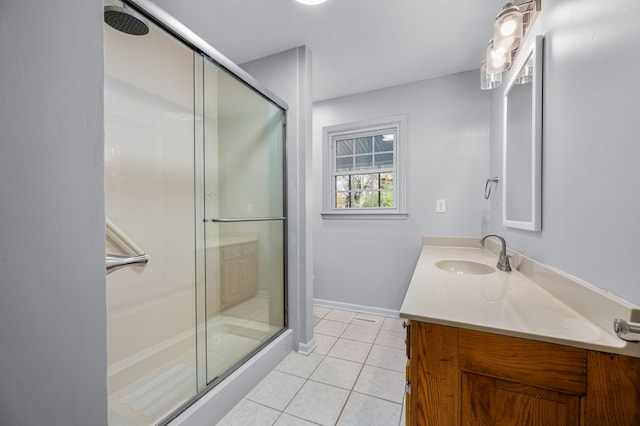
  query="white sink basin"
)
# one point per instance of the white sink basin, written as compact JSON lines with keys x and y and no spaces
{"x":465,"y":267}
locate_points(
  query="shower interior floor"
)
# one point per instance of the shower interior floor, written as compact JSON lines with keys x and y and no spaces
{"x":230,"y":337}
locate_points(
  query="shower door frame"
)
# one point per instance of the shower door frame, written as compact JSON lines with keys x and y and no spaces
{"x":200,"y":47}
{"x":180,"y":31}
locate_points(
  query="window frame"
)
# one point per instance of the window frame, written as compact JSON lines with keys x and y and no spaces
{"x":349,"y":130}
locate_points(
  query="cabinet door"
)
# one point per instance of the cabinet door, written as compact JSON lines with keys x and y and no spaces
{"x":250,"y":269}
{"x":613,"y":393}
{"x":495,"y":402}
{"x":434,"y":376}
{"x":232,"y":276}
{"x":408,"y":395}
{"x":514,"y":381}
{"x":239,"y":274}
{"x":407,"y":325}
{"x":465,"y":377}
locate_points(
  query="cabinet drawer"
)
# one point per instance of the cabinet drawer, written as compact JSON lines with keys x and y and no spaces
{"x":541,"y":364}
{"x":230,"y":252}
{"x":248,"y":249}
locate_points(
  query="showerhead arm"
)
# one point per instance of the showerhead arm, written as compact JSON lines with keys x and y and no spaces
{"x":125,"y":20}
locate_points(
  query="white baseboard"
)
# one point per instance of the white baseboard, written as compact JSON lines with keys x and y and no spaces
{"x":357,"y":308}
{"x":307,"y":348}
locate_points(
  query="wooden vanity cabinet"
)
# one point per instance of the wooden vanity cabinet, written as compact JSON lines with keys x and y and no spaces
{"x":463,"y":377}
{"x":238,"y":273}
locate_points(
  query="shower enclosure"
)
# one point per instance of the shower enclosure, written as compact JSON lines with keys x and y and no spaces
{"x":194,"y":172}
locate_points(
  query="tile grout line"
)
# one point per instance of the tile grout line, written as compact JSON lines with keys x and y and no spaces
{"x":352,"y":390}
{"x":326,"y":355}
{"x":306,"y":379}
{"x":283,"y":411}
{"x":354,"y":382}
{"x":362,"y":364}
{"x":358,"y":376}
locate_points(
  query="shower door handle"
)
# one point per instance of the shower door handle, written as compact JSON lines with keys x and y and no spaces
{"x":116,"y":261}
{"x":243,"y":219}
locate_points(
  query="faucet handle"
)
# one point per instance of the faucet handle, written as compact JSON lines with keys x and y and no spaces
{"x":503,"y":263}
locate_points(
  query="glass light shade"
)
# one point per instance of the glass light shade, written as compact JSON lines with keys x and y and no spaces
{"x":507,"y":30}
{"x":489,"y":81}
{"x":498,"y":58}
{"x":526,"y":74}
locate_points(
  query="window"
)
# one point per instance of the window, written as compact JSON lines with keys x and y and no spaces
{"x":364,"y":173}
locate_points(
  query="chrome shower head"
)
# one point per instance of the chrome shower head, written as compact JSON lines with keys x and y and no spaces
{"x":125,"y":20}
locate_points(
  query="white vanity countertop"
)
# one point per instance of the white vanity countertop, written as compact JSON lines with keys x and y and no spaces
{"x":501,"y":302}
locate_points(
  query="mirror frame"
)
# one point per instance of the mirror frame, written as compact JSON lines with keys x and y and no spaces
{"x":534,"y":50}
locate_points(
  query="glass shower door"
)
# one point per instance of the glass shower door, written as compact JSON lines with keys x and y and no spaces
{"x":194,"y":178}
{"x":149,"y":186}
{"x":244,"y":220}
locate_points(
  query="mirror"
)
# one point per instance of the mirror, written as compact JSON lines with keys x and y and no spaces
{"x":522,"y":140}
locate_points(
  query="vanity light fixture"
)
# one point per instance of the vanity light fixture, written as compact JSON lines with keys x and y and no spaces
{"x":498,"y":58}
{"x":489,"y":81}
{"x":526,"y":75}
{"x":509,"y":29}
{"x":311,"y":2}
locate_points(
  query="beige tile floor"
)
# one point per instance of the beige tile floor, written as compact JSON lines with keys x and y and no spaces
{"x":354,"y":377}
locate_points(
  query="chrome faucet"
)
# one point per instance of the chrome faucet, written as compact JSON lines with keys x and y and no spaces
{"x":503,"y":260}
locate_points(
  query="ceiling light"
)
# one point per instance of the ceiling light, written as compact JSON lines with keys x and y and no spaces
{"x":509,"y":28}
{"x":311,"y":2}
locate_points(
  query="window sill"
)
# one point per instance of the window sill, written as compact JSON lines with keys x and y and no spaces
{"x":364,"y":216}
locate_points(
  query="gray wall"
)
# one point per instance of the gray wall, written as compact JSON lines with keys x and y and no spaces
{"x":369,"y":262}
{"x":52,"y":295}
{"x":288,"y":75}
{"x":591,"y":151}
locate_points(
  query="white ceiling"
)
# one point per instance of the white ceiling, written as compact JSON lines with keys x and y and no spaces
{"x":356,"y":45}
